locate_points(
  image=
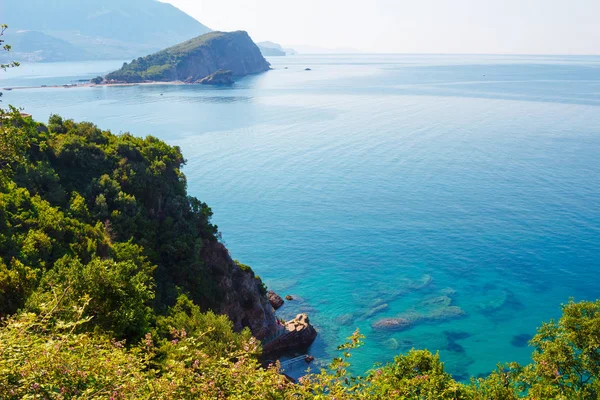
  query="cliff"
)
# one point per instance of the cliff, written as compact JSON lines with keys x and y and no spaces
{"x":196,"y":59}
{"x":242,"y":294}
{"x":124,"y":231}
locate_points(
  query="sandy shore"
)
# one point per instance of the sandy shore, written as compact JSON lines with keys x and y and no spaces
{"x":83,"y":85}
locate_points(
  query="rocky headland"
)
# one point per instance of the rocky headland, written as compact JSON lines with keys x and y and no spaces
{"x":195,"y":60}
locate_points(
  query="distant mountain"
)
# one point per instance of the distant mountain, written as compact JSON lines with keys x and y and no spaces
{"x":304,"y":49}
{"x":33,"y":46}
{"x":195,"y":59}
{"x":98,"y":29}
{"x":271,"y":49}
{"x":270,"y":45}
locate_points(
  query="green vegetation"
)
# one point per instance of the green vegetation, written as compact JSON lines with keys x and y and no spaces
{"x":195,"y":59}
{"x":104,"y":279}
{"x":72,"y":200}
{"x":162,"y":66}
{"x":104,"y":291}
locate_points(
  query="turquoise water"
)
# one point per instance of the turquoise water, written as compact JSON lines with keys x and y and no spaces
{"x":382,"y":186}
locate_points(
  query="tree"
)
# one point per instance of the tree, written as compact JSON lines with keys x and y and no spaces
{"x":5,"y":47}
{"x":13,"y":143}
{"x":566,"y":359}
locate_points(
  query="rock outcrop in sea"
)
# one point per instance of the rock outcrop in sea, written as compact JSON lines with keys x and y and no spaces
{"x":248,"y":305}
{"x":297,"y":334}
{"x":196,"y":59}
{"x":430,"y":310}
{"x":275,"y":299}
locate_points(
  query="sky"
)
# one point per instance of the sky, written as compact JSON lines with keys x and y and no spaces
{"x":412,"y":26}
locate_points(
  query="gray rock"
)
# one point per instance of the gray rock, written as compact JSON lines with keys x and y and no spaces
{"x":220,"y":77}
{"x":275,"y":300}
{"x":298,"y":334}
{"x":244,"y":300}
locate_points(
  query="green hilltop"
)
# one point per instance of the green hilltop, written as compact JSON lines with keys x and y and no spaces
{"x":195,"y":59}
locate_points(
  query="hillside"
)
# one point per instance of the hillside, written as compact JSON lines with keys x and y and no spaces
{"x":195,"y":59}
{"x":101,"y":29}
{"x":117,"y":202}
{"x":106,"y":267}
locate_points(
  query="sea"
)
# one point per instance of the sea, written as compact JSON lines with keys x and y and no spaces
{"x":441,"y":202}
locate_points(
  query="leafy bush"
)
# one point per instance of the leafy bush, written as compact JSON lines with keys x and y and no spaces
{"x":106,"y":267}
{"x":73,"y":190}
{"x":44,"y":356}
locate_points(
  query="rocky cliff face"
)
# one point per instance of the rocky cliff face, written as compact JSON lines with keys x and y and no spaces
{"x":244,"y":296}
{"x":196,"y":59}
{"x":247,"y":303}
{"x":234,"y":52}
{"x":297,"y":334}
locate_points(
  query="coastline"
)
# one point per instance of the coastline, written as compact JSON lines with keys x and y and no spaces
{"x":88,"y":85}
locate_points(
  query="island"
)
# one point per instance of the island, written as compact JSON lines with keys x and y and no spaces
{"x":196,"y":59}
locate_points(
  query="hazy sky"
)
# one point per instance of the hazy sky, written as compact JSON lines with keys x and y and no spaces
{"x":412,"y":26}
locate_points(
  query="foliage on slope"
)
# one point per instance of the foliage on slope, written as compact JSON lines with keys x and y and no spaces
{"x":80,"y":206}
{"x":103,"y":286}
{"x":44,"y":356}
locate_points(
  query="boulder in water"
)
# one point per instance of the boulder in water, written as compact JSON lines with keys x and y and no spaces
{"x":275,"y":300}
{"x":446,"y":313}
{"x":299,"y":334}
